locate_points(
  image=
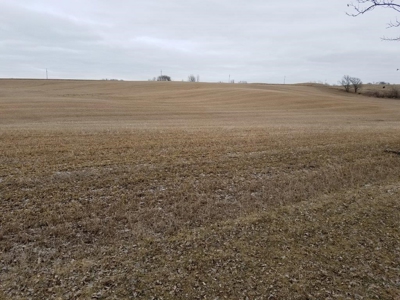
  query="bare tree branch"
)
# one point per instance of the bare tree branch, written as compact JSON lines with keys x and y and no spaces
{"x":393,"y":24}
{"x":371,"y":4}
{"x":346,"y":82}
{"x":364,"y":6}
{"x":357,"y":83}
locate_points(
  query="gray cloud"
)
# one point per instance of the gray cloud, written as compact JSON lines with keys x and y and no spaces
{"x":256,"y":41}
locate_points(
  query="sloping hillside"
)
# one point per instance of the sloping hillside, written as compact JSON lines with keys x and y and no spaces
{"x":147,"y":190}
{"x":33,"y":103}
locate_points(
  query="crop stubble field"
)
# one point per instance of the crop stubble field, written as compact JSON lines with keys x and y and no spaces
{"x":197,"y":191}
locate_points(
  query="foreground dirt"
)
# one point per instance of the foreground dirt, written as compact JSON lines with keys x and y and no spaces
{"x":289,"y":198}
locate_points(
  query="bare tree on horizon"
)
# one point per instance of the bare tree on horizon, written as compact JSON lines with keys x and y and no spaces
{"x":357,"y":83}
{"x":346,"y":82}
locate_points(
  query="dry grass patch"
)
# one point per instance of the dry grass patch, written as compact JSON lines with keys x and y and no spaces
{"x":342,"y":246}
{"x":96,"y":213}
{"x":382,"y":91}
{"x":118,"y":190}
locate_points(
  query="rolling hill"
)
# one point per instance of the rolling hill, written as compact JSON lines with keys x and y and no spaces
{"x":154,"y":190}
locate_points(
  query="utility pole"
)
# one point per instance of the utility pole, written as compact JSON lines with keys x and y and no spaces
{"x":229,"y":78}
{"x":284,"y":79}
{"x":47,"y":75}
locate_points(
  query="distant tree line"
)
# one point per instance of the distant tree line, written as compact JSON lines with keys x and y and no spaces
{"x":163,"y":78}
{"x":349,"y":82}
{"x":192,"y":78}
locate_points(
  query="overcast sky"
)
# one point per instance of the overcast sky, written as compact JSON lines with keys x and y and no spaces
{"x":250,"y":40}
